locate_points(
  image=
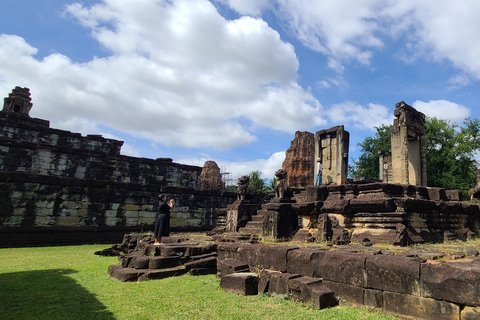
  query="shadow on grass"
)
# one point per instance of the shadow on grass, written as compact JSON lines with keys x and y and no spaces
{"x":47,"y":294}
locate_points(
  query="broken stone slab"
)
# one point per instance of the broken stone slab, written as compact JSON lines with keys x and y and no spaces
{"x":420,"y":307}
{"x":311,"y":292}
{"x":210,"y":262}
{"x":126,"y":274}
{"x":164,"y":262}
{"x":457,"y":282}
{"x":241,"y":283}
{"x":156,"y":274}
{"x":229,"y":266}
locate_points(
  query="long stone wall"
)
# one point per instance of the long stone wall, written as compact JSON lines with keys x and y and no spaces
{"x":409,"y":286}
{"x":57,"y":181}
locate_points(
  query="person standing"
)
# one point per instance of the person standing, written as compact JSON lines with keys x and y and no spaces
{"x":162,"y":222}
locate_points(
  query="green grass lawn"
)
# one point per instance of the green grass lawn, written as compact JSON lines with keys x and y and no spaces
{"x":72,"y":283}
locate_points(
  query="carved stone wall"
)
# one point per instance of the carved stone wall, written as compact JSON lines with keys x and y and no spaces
{"x":299,"y":160}
{"x":331,"y":150}
{"x":409,"y":164}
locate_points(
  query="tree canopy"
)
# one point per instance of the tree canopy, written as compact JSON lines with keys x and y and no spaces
{"x":450,"y":153}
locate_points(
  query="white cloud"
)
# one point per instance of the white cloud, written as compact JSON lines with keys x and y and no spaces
{"x":178,"y":74}
{"x":443,"y":109}
{"x":360,"y":117}
{"x":352,"y":30}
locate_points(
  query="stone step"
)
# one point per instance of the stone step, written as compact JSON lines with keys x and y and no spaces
{"x":241,"y":283}
{"x":258,"y":217}
{"x":251,"y":231}
{"x":254,"y":224}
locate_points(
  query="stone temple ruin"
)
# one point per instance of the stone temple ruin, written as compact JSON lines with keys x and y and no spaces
{"x":57,"y":185}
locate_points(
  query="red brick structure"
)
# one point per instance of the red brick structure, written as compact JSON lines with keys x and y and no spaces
{"x":211,"y":178}
{"x":299,"y":160}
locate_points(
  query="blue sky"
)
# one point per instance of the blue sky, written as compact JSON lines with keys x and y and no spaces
{"x":232,"y":80}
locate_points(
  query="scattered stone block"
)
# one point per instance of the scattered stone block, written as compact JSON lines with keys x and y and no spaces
{"x":229,"y":266}
{"x":311,"y":292}
{"x":241,"y":283}
{"x":278,"y":283}
{"x":126,"y":274}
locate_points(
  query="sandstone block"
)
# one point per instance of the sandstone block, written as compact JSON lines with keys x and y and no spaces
{"x":162,"y":273}
{"x":458,"y":282}
{"x":229,"y":266}
{"x":347,"y":292}
{"x":393,"y":273}
{"x":305,"y":262}
{"x":423,"y":308}
{"x":241,"y":283}
{"x":311,"y":292}
{"x":470,"y":313}
{"x":343,"y":267}
{"x":164,"y":262}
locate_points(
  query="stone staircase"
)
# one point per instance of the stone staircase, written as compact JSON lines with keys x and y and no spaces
{"x":255,"y":226}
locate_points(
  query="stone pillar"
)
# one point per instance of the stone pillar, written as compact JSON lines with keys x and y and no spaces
{"x":238,"y":214}
{"x":409,"y":165}
{"x":331,"y":150}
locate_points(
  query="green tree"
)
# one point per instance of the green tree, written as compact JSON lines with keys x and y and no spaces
{"x":256,"y":183}
{"x":270,"y":186}
{"x":367,"y":163}
{"x":450,"y":152}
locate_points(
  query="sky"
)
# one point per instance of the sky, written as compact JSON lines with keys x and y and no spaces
{"x":233,"y":80}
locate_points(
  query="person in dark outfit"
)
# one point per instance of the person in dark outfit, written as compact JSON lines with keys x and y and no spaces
{"x":162,"y":222}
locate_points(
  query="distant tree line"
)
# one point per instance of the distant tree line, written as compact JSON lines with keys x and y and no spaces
{"x":450,"y":151}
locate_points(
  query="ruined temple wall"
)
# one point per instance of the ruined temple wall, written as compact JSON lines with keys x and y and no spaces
{"x":32,"y":201}
{"x":30,"y":146}
{"x":409,"y":286}
{"x":331,"y":149}
{"x":54,"y":179}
